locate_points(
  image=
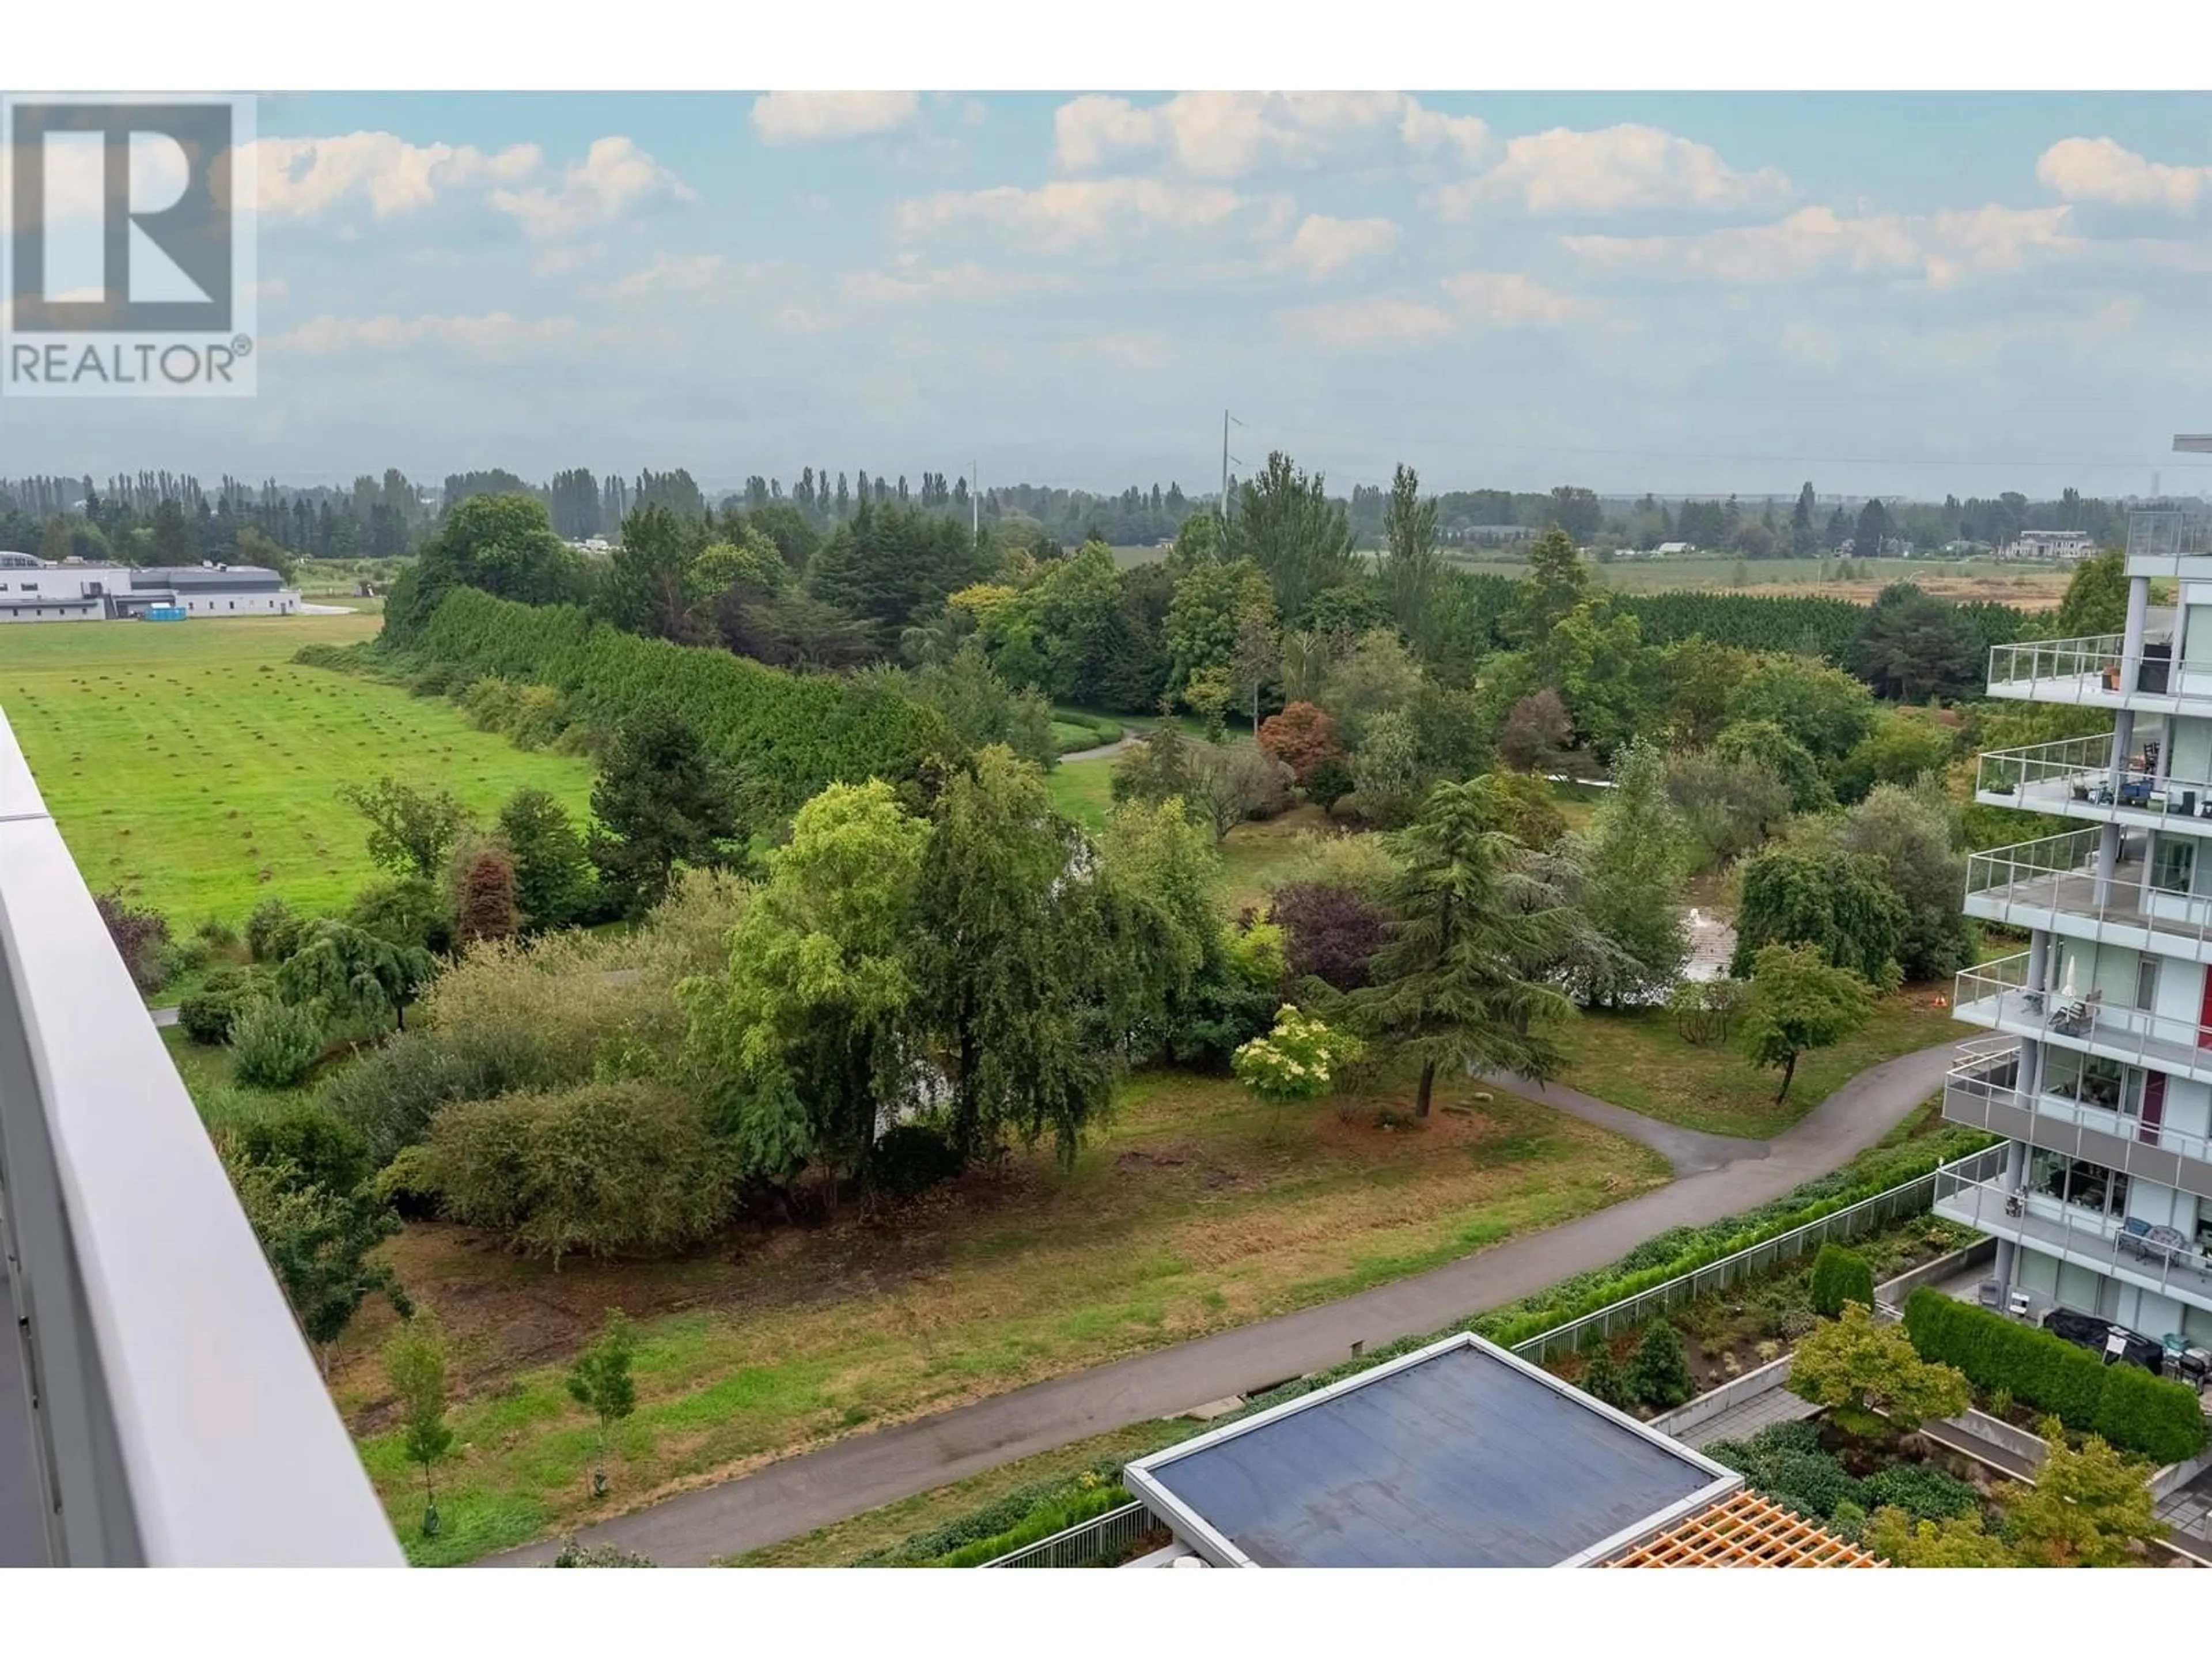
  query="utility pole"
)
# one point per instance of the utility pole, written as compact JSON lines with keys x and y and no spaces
{"x":1224,"y":475}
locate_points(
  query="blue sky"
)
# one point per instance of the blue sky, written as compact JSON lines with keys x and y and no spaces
{"x":1906,"y":294}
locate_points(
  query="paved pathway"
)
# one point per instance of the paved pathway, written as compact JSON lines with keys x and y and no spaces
{"x":1105,"y":751}
{"x":812,"y":1489}
{"x":1689,"y":1150}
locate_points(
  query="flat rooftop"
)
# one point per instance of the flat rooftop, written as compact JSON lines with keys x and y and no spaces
{"x":1459,"y":1455}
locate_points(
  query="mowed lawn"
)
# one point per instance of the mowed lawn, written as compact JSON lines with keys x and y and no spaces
{"x":195,"y":766}
{"x":1196,"y":1210}
{"x":1639,"y":1059}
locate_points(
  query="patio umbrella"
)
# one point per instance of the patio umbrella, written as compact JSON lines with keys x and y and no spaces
{"x":2066,"y":987}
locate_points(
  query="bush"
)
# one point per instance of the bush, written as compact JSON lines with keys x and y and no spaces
{"x":2125,"y":1404}
{"x":1658,"y":1372}
{"x":273,"y":1044}
{"x":1785,"y":1461}
{"x":273,"y":932}
{"x":1083,"y":1505}
{"x":216,"y":933}
{"x":208,"y":1013}
{"x":911,"y":1160}
{"x":405,"y":911}
{"x":140,"y":939}
{"x":573,"y":1554}
{"x":1328,"y":781}
{"x":1602,"y":1379}
{"x":995,"y":1520}
{"x":1924,"y":1493}
{"x":328,"y":1151}
{"x":602,"y":1170}
{"x":1840,"y":1275}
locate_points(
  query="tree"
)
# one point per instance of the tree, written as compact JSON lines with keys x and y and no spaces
{"x":343,"y":972}
{"x":405,"y":911}
{"x":2096,"y":600}
{"x":649,"y":588}
{"x":2089,"y":1508}
{"x":1730,"y":807}
{"x":318,"y":1245}
{"x":1412,"y":564}
{"x":1822,"y":707}
{"x":1257,"y":651}
{"x":1804,"y":537}
{"x":600,"y":1381}
{"x":414,"y":1367}
{"x":552,"y":870}
{"x":1960,"y":1540}
{"x":502,"y":544}
{"x":1449,"y":987}
{"x":1158,"y":765}
{"x":1009,"y":953}
{"x":1635,"y":870}
{"x":485,"y":908}
{"x":1867,"y":1374}
{"x":1913,"y":644}
{"x":1558,"y":584}
{"x":662,"y":800}
{"x":1764,"y":745}
{"x":810,"y":1037}
{"x":1840,"y":1275}
{"x":1872,"y":530}
{"x":1387,"y":776}
{"x":1301,"y":737}
{"x":1904,"y":747}
{"x":1798,"y":1002}
{"x":1536,"y":733}
{"x":141,"y":937}
{"x":411,"y":831}
{"x":1298,"y":1060}
{"x":1286,"y":525}
{"x":1329,"y":933}
{"x":1837,"y":901}
{"x":1657,"y":1374}
{"x":1233,"y":782}
{"x":1914,"y":839}
{"x":1207,"y":613}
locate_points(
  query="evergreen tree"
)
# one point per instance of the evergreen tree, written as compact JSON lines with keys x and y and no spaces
{"x":662,"y":800}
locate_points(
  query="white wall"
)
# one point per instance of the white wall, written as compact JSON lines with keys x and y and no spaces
{"x":2189,"y":756}
{"x":54,"y":613}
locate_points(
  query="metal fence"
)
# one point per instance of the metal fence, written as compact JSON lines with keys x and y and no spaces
{"x":1101,"y":1538}
{"x":1906,"y":1198}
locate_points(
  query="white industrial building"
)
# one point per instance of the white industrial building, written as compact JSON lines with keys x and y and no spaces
{"x":2102,"y":1079}
{"x":2064,"y":545}
{"x":32,"y":590}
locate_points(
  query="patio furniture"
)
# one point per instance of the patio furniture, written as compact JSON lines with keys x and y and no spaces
{"x":2147,"y":1242}
{"x":2136,"y":793}
{"x":2076,"y":1018}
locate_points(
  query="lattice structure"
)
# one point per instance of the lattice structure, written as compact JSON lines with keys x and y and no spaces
{"x":1746,"y":1531}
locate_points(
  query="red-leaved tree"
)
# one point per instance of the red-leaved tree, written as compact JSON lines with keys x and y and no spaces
{"x":487,"y":907}
{"x":1301,"y":737}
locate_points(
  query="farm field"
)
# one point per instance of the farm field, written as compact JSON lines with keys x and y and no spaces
{"x":195,"y":766}
{"x":2030,"y":586}
{"x":1196,"y":1209}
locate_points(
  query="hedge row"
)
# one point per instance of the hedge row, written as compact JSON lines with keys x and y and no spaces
{"x":1001,"y":1518}
{"x":2131,"y":1408}
{"x":789,"y":734}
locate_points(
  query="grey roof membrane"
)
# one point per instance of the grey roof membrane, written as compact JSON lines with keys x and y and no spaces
{"x":1459,"y":1461}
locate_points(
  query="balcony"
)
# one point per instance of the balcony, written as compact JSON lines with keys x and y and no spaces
{"x":2091,"y":672}
{"x":2073,"y":778}
{"x":2170,"y":544}
{"x":158,"y":1406}
{"x":2053,"y":1228}
{"x":2051,"y":885}
{"x":1996,"y":996}
{"x":1981,"y":1090}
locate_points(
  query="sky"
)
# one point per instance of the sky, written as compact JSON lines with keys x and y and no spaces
{"x":1901,"y":294}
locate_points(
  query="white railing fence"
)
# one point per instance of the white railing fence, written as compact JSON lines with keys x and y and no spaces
{"x":1102,"y":1538}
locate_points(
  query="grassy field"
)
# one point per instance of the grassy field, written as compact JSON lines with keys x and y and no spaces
{"x":1195,"y":1211}
{"x":1639,"y":1059}
{"x":2032,"y":587}
{"x":195,"y":766}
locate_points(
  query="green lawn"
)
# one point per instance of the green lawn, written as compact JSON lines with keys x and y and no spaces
{"x":1082,"y":790}
{"x":194,"y":765}
{"x":1639,"y":1060}
{"x":1196,"y":1210}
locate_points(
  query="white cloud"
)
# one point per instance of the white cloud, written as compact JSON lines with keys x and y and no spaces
{"x":1943,"y":249}
{"x":2100,"y":170}
{"x":1324,"y":247}
{"x":1617,"y":169}
{"x":614,"y":178}
{"x":494,"y":335}
{"x":1468,"y":303}
{"x":275,"y":289}
{"x":1813,"y":344}
{"x":816,"y":118}
{"x":306,"y":177}
{"x":1095,"y":216}
{"x":1227,"y":135}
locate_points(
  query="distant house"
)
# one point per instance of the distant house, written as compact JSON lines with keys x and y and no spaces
{"x":1672,"y":549}
{"x":2067,"y":546}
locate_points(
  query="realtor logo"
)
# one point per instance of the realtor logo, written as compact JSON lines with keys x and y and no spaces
{"x":127,"y":262}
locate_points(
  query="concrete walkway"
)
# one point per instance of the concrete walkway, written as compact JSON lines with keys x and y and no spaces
{"x":1103,"y":751}
{"x":812,"y":1489}
{"x":1690,"y":1151}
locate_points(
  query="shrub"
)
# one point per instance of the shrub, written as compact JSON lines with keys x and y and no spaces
{"x":911,"y":1160}
{"x":1922,"y":1492}
{"x":1840,"y":1275}
{"x":1328,"y":781}
{"x":994,"y":1521}
{"x":1041,"y":1524}
{"x":1658,"y":1372}
{"x":1785,"y":1461}
{"x":327,"y":1151}
{"x":273,"y":932}
{"x":1602,"y":1379}
{"x":406,"y":911}
{"x":573,"y":1554}
{"x":602,"y":1169}
{"x":208,"y":1013}
{"x":216,"y":933}
{"x":2127,"y":1405}
{"x":140,"y":939}
{"x":273,"y":1044}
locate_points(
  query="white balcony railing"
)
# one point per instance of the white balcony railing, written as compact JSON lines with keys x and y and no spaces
{"x":2067,"y":1230}
{"x":1982,"y":1088}
{"x":2057,"y":877}
{"x":2075,"y":774}
{"x":2091,"y":668}
{"x":177,"y":1418}
{"x":1997,"y":995}
{"x":2165,"y":543}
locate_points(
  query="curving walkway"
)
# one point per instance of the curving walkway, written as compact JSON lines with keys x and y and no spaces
{"x":811,"y":1489}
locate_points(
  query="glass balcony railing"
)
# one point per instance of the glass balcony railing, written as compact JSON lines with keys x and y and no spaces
{"x":2163,"y":543}
{"x":2054,"y":1228}
{"x":174,"y":1415}
{"x":2101,"y":1120}
{"x":2090,"y":669}
{"x":2057,"y":875}
{"x":2075,"y":775}
{"x":1997,"y":995}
